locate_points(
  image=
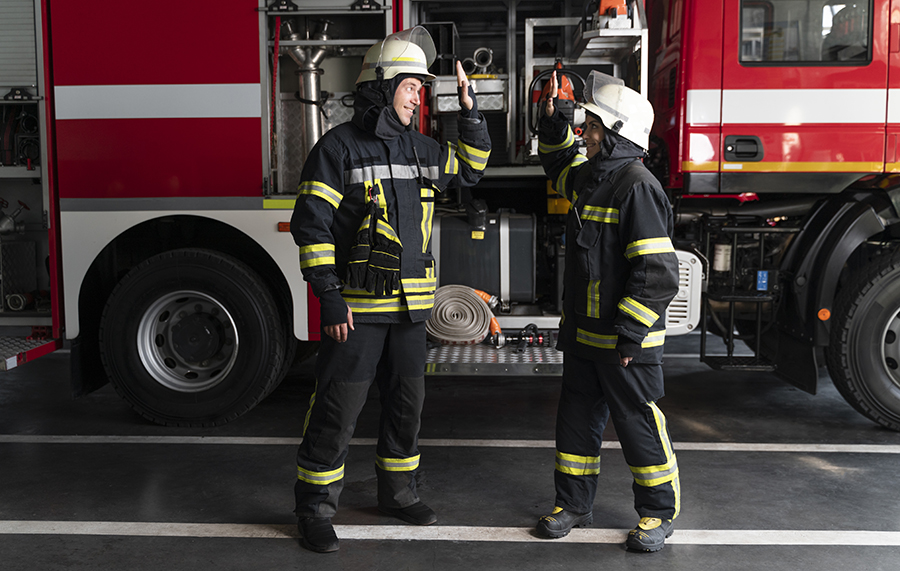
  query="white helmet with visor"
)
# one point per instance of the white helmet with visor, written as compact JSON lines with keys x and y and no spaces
{"x":621,"y":109}
{"x":409,"y":51}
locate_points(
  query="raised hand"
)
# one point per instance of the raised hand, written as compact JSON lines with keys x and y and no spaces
{"x":465,"y":98}
{"x":551,"y":95}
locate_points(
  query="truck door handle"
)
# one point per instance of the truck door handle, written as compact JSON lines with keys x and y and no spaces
{"x":743,"y":148}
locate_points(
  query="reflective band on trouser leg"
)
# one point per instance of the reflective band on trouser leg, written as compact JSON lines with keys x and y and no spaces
{"x":397,"y":464}
{"x":652,"y":476}
{"x":577,"y":465}
{"x":320,"y":478}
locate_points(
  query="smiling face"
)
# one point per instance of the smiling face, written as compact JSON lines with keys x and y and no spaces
{"x":406,"y":99}
{"x":593,"y":134}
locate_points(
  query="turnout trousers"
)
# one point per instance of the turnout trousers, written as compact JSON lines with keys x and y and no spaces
{"x":393,"y":356}
{"x":593,"y":392}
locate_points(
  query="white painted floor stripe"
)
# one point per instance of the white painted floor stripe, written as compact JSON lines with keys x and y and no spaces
{"x":447,"y":533}
{"x":448,"y":443}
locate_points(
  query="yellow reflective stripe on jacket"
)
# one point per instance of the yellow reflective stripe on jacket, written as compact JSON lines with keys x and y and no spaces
{"x":596,"y":340}
{"x":419,"y":285}
{"x":451,"y":165}
{"x":322,"y":190}
{"x":320,"y":478}
{"x":561,"y":179}
{"x":567,"y":142}
{"x":638,"y":311}
{"x":420,"y":301}
{"x":387,"y":231}
{"x":316,"y":255}
{"x":593,"y":299}
{"x":598,"y":214}
{"x":653,"y":339}
{"x":577,"y":465}
{"x":391,"y":304}
{"x":649,"y":246}
{"x":397,"y":464}
{"x":427,"y":214}
{"x":475,"y":158}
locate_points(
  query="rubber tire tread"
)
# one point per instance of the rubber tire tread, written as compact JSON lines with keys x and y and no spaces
{"x":246,"y":279}
{"x":847,"y":304}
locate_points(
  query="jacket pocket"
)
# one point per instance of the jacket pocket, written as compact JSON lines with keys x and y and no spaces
{"x":588,"y":251}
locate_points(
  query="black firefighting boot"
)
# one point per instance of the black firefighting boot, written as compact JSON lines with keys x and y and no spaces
{"x":650,"y":534}
{"x":418,"y":513}
{"x":317,"y":534}
{"x":560,"y":522}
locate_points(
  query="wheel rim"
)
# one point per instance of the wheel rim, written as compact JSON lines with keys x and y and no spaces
{"x":890,"y":349}
{"x":187,"y":341}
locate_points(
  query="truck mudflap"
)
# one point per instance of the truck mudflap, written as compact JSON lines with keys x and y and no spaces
{"x":16,"y":351}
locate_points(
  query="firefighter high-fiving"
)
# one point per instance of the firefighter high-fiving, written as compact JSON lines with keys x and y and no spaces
{"x":621,"y":273}
{"x":363,"y":223}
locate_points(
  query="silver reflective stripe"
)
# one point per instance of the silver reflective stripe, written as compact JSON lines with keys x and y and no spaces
{"x":577,"y":465}
{"x":399,"y":63}
{"x":320,"y":478}
{"x":377,"y":172}
{"x":397,"y":464}
{"x":661,"y":475}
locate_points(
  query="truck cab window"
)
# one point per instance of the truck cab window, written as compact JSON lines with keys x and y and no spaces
{"x":798,"y":32}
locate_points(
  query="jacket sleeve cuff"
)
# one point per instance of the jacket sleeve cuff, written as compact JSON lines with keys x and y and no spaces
{"x":628,"y":348}
{"x":333,"y":308}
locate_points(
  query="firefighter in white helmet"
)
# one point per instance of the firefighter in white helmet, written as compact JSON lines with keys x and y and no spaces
{"x":362,"y":221}
{"x":620,"y":274}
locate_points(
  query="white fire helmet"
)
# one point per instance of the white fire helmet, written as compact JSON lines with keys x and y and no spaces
{"x":622,"y":110}
{"x":409,"y":51}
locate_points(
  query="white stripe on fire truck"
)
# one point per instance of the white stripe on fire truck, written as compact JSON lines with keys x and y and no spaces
{"x":787,"y":106}
{"x":225,"y":100}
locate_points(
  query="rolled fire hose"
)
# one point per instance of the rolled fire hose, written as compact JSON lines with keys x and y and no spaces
{"x":460,"y":316}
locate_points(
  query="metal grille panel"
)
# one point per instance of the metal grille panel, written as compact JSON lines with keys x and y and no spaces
{"x":18,"y":61}
{"x":489,"y":361}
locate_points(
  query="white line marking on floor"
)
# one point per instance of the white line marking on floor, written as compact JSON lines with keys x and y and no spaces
{"x":447,"y":533}
{"x":447,"y":443}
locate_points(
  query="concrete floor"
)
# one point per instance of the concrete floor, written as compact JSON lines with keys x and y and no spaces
{"x":772,"y":478}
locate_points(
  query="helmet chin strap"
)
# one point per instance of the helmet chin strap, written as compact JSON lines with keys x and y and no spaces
{"x":383,"y":86}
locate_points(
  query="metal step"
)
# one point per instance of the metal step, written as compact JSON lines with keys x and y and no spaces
{"x":735,"y":363}
{"x":15,"y":351}
{"x":485,"y":360}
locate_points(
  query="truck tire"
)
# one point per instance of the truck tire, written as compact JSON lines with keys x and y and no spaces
{"x":192,"y":338}
{"x":863,"y":357}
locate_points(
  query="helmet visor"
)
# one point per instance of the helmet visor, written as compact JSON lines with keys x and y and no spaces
{"x":595,"y":81}
{"x":417,"y":36}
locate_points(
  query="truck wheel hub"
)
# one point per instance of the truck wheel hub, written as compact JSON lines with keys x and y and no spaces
{"x":187,"y":341}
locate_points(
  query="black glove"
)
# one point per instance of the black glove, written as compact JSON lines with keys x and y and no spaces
{"x":628,"y":348}
{"x":361,"y":250}
{"x":469,"y":113}
{"x":383,"y":271}
{"x":333,"y":308}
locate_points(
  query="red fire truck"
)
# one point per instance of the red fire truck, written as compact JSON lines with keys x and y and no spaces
{"x":149,"y":156}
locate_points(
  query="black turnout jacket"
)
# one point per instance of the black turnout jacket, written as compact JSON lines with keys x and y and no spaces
{"x":404,"y":169}
{"x":621,"y":270}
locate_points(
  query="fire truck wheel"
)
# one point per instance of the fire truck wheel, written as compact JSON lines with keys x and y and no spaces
{"x":864,"y":353}
{"x":192,"y":338}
